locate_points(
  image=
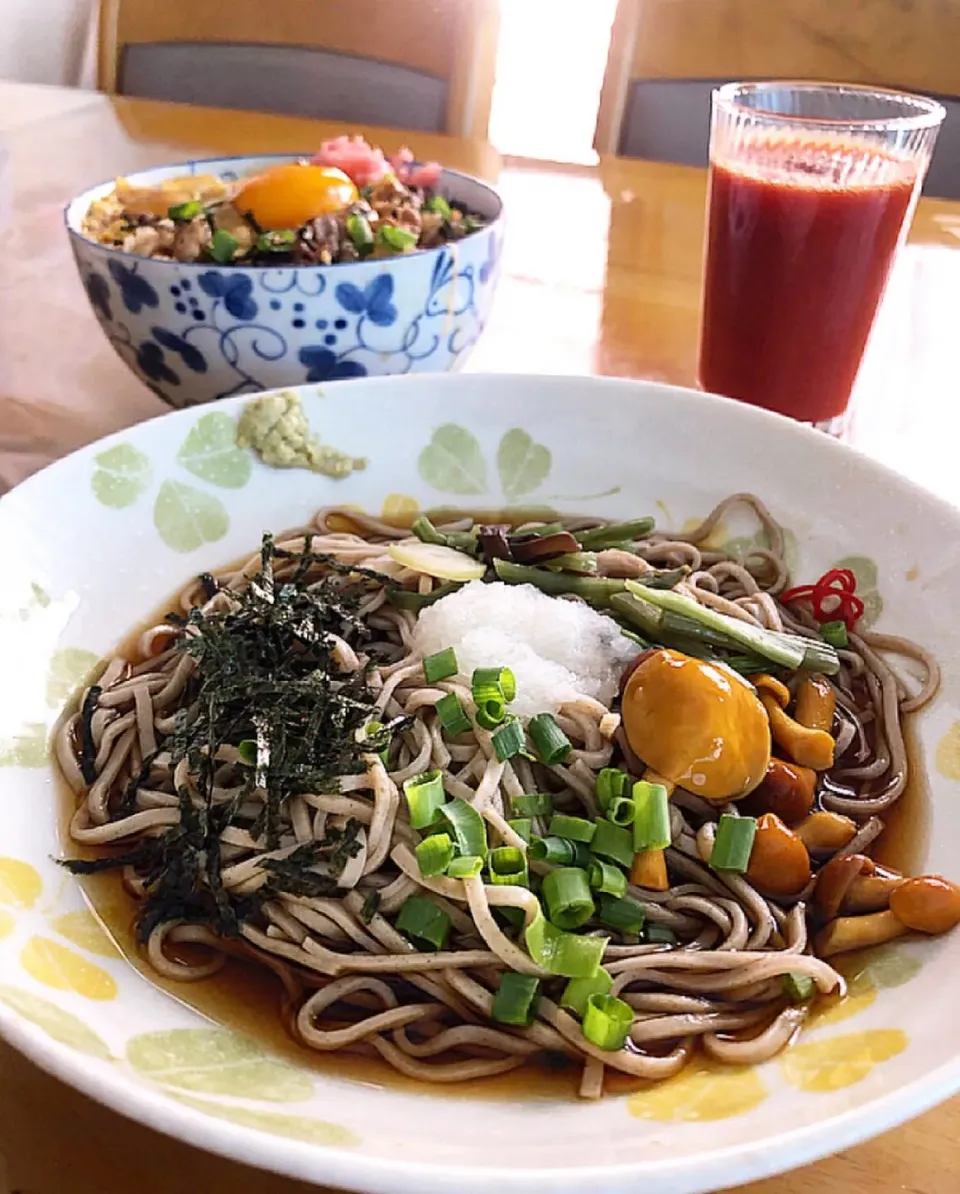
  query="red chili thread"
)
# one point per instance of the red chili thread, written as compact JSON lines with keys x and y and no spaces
{"x":832,"y":598}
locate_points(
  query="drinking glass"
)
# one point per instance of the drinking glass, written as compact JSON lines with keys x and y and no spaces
{"x":812,"y":188}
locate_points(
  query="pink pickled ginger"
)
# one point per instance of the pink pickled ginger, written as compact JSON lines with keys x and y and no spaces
{"x":365,"y":165}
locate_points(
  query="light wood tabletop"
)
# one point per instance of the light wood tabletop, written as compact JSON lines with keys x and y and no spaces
{"x":601,"y":275}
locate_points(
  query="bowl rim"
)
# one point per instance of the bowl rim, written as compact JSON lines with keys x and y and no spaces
{"x":76,"y":235}
{"x":683,"y":1174}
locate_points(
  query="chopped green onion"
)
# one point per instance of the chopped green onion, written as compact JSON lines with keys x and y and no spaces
{"x":184,"y":212}
{"x":582,"y":856}
{"x":491,"y":713}
{"x":532,"y":804}
{"x":550,"y":742}
{"x":396,"y":238}
{"x":611,"y":782}
{"x":424,"y":923}
{"x":578,"y":990}
{"x":515,"y":1001}
{"x":469,"y":827}
{"x":798,"y":988}
{"x":437,"y":203}
{"x":785,"y":650}
{"x":425,"y":797}
{"x":434,"y":855}
{"x":624,"y":914}
{"x":607,"y":879}
{"x":512,"y":917}
{"x":222,"y":246}
{"x":657,"y":934}
{"x":359,"y":230}
{"x":574,"y":829}
{"x":279,"y":241}
{"x":451,"y":714}
{"x":555,"y":850}
{"x":376,"y":730}
{"x":440,"y":666}
{"x":499,"y":680}
{"x":651,"y":822}
{"x":508,"y":739}
{"x":468,"y":866}
{"x":612,"y":841}
{"x":617,"y":532}
{"x":733,"y":843}
{"x":607,"y":1022}
{"x":508,"y":867}
{"x":621,"y":810}
{"x":248,"y":751}
{"x":566,"y":894}
{"x":835,"y":633}
{"x":563,"y":953}
{"x":523,"y":827}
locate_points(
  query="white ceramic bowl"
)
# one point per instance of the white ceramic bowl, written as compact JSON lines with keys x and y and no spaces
{"x":194,"y":333}
{"x":92,"y":545}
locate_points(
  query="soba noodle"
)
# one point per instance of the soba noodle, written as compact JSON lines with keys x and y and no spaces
{"x":351,"y":978}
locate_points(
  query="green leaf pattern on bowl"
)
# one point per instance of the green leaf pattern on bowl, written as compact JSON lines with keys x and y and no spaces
{"x":186,"y":517}
{"x":522,"y":463}
{"x":121,"y":476}
{"x":216,"y":1061}
{"x":867,"y":574}
{"x":453,"y":461}
{"x":210,"y":452}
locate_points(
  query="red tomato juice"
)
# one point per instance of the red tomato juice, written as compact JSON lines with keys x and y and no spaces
{"x":801,"y":239}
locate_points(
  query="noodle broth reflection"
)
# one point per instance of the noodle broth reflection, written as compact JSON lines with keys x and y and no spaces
{"x":289,"y":771}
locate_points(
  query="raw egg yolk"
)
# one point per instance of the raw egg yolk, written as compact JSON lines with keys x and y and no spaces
{"x":290,"y":196}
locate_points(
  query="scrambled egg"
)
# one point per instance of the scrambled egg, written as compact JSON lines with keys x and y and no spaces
{"x":276,"y":428}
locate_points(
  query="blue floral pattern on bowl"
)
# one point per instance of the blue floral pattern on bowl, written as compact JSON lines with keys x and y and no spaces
{"x":195,"y":333}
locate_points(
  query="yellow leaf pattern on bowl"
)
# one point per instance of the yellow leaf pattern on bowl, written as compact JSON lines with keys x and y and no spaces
{"x":399,"y":509}
{"x":840,"y":1061}
{"x":294,"y":1127}
{"x":947,"y":757}
{"x":55,"y":966}
{"x":703,"y":1091}
{"x":63,"y":1026}
{"x":7,"y":924}
{"x":83,"y":929}
{"x":20,"y":883}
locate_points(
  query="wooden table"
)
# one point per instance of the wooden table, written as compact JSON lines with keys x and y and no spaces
{"x":602,"y":275}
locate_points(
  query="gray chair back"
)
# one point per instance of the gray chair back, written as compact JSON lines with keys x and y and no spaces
{"x":290,"y":80}
{"x":668,"y":120}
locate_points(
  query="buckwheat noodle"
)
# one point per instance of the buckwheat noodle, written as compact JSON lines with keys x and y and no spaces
{"x":351,"y":980}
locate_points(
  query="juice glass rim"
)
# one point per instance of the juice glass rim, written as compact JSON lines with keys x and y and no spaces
{"x":929,"y":113}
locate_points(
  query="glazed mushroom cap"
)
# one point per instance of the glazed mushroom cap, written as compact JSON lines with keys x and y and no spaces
{"x":786,"y":790}
{"x":697,"y":725}
{"x":779,"y":863}
{"x":826,"y":831}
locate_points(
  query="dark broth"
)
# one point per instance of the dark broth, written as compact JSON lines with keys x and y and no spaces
{"x":248,"y":998}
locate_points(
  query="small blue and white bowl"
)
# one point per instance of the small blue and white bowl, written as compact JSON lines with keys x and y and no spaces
{"x":198,"y":332}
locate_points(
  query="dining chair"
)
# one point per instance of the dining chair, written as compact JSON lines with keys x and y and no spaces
{"x":426,"y":65}
{"x":667,"y":56}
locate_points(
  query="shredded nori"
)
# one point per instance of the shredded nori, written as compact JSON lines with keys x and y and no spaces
{"x":88,"y":752}
{"x":265,"y":671}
